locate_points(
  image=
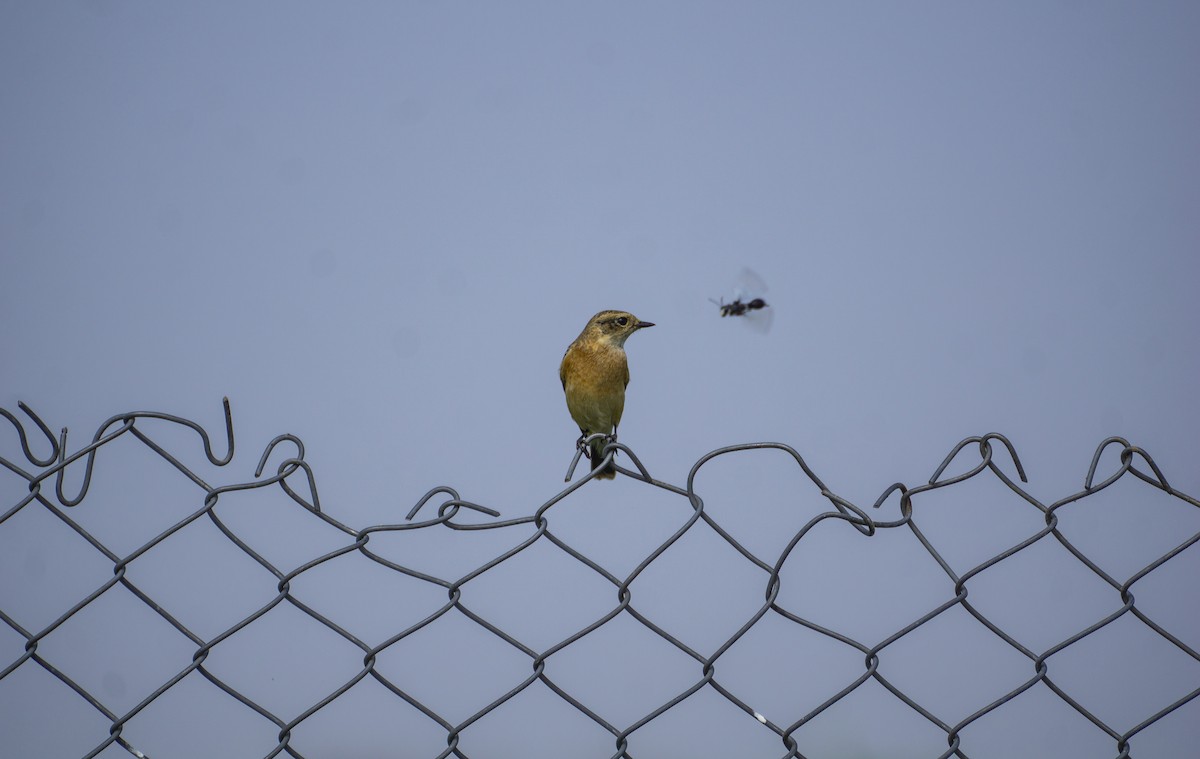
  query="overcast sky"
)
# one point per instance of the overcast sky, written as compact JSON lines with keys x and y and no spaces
{"x":378,"y":226}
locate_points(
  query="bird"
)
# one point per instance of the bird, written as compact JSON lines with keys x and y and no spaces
{"x":594,"y":374}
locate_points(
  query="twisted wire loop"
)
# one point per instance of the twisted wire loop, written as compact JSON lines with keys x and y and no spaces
{"x":295,"y":477}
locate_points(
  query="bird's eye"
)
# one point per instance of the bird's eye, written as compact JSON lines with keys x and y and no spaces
{"x":622,"y":321}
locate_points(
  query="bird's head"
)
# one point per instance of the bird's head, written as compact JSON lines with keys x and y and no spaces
{"x":614,"y":327}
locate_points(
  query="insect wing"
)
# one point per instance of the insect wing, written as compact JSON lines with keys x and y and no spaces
{"x":749,"y":285}
{"x":760,"y":320}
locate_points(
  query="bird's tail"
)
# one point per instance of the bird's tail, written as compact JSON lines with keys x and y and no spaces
{"x":608,"y":473}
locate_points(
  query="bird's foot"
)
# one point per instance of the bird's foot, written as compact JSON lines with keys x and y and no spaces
{"x":585,"y":440}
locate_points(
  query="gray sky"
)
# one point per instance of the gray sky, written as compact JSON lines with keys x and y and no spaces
{"x":378,"y":226}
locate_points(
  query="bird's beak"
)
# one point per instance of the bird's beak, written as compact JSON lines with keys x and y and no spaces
{"x":642,"y":325}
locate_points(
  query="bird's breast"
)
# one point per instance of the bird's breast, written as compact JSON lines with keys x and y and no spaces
{"x":601,"y":371}
{"x":594,"y":381}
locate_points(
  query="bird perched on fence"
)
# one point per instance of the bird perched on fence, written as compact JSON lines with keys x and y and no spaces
{"x":594,"y":373}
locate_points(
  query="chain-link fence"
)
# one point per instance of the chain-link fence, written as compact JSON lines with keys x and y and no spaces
{"x":40,"y":485}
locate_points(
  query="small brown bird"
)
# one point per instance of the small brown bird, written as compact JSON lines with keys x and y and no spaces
{"x":594,"y":373}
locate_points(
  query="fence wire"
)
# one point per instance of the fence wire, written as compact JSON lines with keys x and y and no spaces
{"x":295,"y":477}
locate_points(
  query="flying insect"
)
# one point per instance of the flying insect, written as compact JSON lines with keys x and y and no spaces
{"x":737,"y":308}
{"x":747,"y":301}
